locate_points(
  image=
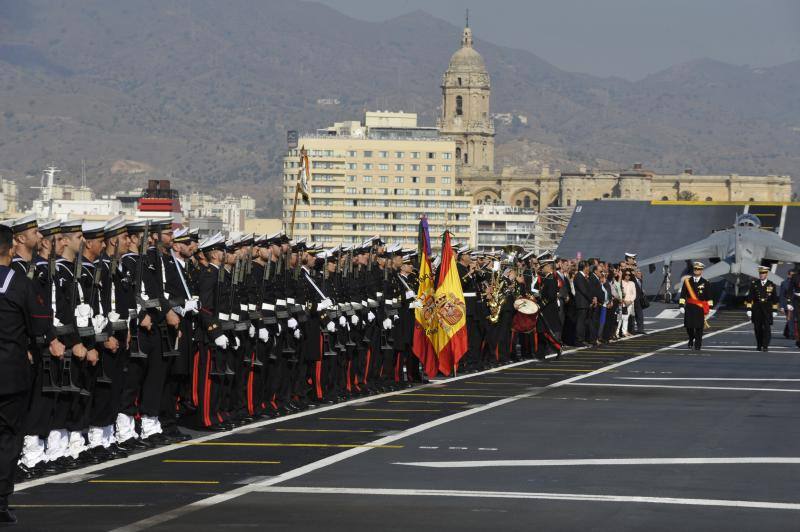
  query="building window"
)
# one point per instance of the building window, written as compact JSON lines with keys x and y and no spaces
{"x":351,"y":178}
{"x":527,"y":202}
{"x":351,"y":153}
{"x":414,"y":179}
{"x":447,"y":155}
{"x":519,"y":203}
{"x":415,"y":155}
{"x":399,"y":167}
{"x":458,"y":154}
{"x":466,"y":158}
{"x":444,"y":192}
{"x":367,"y":178}
{"x":430,"y":180}
{"x":399,"y":154}
{"x":383,"y":154}
{"x":415,"y":168}
{"x":367,"y":153}
{"x":384,"y":179}
{"x":431,"y":167}
{"x":352,"y":166}
{"x":430,"y":192}
{"x":431,"y":155}
{"x":383,"y":166}
{"x":350,"y":190}
{"x":398,"y":179}
{"x":708,"y":198}
{"x":367,"y":166}
{"x":367,"y":191}
{"x":445,"y":180}
{"x":446,"y":168}
{"x":459,"y":84}
{"x":459,"y":106}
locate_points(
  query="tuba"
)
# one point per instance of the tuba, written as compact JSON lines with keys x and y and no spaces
{"x":497,"y":296}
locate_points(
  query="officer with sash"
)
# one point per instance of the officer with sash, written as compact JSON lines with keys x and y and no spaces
{"x":695,"y":302}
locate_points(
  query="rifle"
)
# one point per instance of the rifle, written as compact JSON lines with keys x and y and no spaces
{"x":83,"y":332}
{"x":143,"y":304}
{"x":48,"y":382}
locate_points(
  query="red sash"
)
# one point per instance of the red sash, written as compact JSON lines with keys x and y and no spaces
{"x":692,"y":299}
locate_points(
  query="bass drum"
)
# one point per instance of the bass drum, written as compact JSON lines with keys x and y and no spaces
{"x":526,"y":315}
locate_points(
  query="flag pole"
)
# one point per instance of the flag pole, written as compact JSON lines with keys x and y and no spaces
{"x":294,"y":210}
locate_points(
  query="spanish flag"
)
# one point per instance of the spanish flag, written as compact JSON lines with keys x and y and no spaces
{"x":451,"y":311}
{"x":425,"y":321}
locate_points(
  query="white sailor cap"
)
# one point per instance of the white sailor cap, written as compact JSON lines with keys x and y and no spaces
{"x":698,"y":266}
{"x":215,"y":241}
{"x":630,"y":255}
{"x":23,"y":223}
{"x":92,"y":230}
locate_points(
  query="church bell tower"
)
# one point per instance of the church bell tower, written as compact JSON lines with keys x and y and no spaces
{"x":465,"y":110}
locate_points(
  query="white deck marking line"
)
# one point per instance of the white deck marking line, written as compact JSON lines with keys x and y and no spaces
{"x":703,"y":379}
{"x":533,"y":495}
{"x":344,"y":455}
{"x":604,"y":462}
{"x":729,"y":388}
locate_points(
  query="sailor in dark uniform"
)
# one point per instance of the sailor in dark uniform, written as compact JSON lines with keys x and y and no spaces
{"x":762,"y":306}
{"x":22,"y":318}
{"x":695,"y":302}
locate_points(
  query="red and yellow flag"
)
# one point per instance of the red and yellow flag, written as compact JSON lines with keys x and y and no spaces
{"x":450,"y":338}
{"x":425,"y":317}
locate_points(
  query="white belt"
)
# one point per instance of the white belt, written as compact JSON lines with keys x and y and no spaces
{"x":470,"y":294}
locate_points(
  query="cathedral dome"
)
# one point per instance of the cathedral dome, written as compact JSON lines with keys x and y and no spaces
{"x":466,"y":59}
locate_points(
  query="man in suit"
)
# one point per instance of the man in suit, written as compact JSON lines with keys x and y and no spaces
{"x":583,"y":302}
{"x":762,"y":306}
{"x":695,"y":302}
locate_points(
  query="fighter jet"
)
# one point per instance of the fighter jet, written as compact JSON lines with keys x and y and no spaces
{"x":735,"y":253}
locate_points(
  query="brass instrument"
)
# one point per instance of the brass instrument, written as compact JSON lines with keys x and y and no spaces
{"x":499,"y":292}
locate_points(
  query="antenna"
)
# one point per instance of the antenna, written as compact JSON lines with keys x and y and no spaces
{"x":83,"y":173}
{"x":468,"y":17}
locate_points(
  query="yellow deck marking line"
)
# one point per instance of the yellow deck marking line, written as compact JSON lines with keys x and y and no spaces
{"x":109,"y":481}
{"x":503,"y":383}
{"x":20,"y":506}
{"x":552,"y":369}
{"x":364,"y":419}
{"x":325,"y":430}
{"x":455,"y":395}
{"x":396,"y":410}
{"x":272,"y":444}
{"x":220,"y":461}
{"x":433,"y":402}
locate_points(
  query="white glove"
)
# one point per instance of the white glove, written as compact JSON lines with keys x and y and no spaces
{"x":410,"y":294}
{"x":331,"y":327}
{"x":112,"y":316}
{"x":324,"y":304}
{"x":251,"y":332}
{"x":774,"y":314}
{"x":342,"y":321}
{"x":279,"y":328}
{"x":292,"y":323}
{"x":263,"y":334}
{"x":82,"y":314}
{"x":415,"y":304}
{"x":297,"y":334}
{"x":370,"y":316}
{"x":236,"y":343}
{"x":387,"y":323}
{"x":99,"y":323}
{"x":221,"y":342}
{"x":191,"y":305}
{"x":749,"y":313}
{"x":789,"y":307}
{"x":396,"y":317}
{"x":682,"y":310}
{"x":354,"y":320}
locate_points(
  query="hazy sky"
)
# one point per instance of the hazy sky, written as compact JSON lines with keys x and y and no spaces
{"x":626,"y":38}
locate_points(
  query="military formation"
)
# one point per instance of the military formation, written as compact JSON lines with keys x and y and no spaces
{"x":137,"y":330}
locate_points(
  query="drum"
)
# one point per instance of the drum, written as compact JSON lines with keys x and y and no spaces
{"x":526,"y":315}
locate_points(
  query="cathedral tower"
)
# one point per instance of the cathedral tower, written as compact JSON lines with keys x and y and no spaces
{"x":465,"y":110}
